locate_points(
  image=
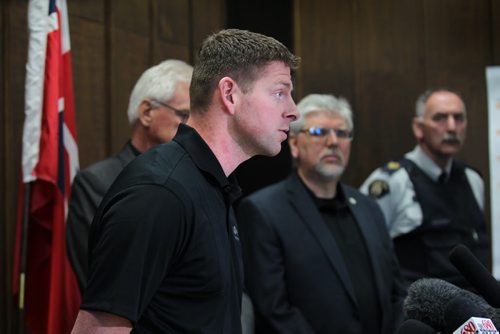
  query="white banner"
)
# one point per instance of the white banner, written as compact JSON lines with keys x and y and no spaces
{"x":493,"y":89}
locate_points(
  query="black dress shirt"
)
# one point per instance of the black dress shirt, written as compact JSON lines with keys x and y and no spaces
{"x":341,"y":223}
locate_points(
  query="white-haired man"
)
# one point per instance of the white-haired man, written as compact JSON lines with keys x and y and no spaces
{"x":159,"y":102}
{"x":317,"y":256}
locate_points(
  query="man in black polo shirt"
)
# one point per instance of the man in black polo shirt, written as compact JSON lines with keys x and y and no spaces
{"x":318,"y":258}
{"x":164,"y":247}
{"x":159,"y":102}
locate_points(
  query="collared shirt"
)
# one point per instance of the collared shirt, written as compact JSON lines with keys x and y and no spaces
{"x":397,"y":197}
{"x":165,"y":251}
{"x":426,"y":164}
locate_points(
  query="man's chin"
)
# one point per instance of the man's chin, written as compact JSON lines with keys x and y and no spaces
{"x":271,"y":151}
{"x":450,"y":149}
{"x":451,"y":142}
{"x":331,"y":173}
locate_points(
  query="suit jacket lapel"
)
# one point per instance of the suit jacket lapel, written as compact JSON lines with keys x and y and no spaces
{"x":306,"y":209}
{"x":365,"y":222}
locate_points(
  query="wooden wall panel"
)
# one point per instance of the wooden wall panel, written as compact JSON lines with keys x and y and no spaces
{"x":131,"y":15}
{"x":206,"y":17}
{"x":14,"y":67}
{"x":171,"y":30}
{"x":173,"y":24}
{"x":3,"y":229}
{"x":129,"y":58}
{"x":323,"y":38}
{"x":87,"y":21}
{"x":456,"y":33}
{"x":386,"y":79}
{"x":163,"y":50}
{"x":90,"y":86}
{"x":495,"y":30}
{"x":3,"y":212}
{"x":91,"y":10}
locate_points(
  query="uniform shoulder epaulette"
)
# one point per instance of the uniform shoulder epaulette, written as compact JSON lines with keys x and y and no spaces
{"x":379,"y":187}
{"x":392,"y":167}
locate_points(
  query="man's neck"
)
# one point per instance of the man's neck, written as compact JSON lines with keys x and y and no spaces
{"x":139,"y":140}
{"x":320,"y":188}
{"x":441,"y":160}
{"x":222,"y":145}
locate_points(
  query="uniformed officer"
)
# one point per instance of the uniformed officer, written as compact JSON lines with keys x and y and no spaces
{"x":431,"y":201}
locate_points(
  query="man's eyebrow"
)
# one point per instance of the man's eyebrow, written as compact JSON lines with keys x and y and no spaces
{"x":286,"y":84}
{"x":461,"y":112}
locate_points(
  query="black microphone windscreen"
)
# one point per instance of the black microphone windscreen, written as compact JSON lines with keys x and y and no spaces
{"x":428,"y":298}
{"x":476,"y":273}
{"x":412,"y":326}
{"x":459,"y":310}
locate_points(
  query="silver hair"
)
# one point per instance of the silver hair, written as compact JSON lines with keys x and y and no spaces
{"x":425,"y":96}
{"x":322,"y":103}
{"x":158,"y":83}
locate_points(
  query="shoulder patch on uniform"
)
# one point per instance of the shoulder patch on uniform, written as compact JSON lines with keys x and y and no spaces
{"x":378,"y":188}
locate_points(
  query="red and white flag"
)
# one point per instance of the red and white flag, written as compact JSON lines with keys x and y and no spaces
{"x":49,"y":293}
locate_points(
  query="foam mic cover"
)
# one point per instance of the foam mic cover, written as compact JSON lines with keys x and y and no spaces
{"x":459,"y":310}
{"x":412,"y":326}
{"x":428,"y":298}
{"x":476,"y":273}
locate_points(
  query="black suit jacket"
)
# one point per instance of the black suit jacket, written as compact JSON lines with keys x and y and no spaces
{"x":87,"y":191}
{"x":294,"y":271}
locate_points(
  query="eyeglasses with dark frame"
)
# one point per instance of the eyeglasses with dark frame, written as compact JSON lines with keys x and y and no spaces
{"x":183,"y":114}
{"x":323,"y":132}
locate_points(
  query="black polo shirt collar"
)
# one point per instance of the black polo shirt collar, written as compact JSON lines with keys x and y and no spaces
{"x":339,"y":202}
{"x":205,"y":160}
{"x":334,"y":204}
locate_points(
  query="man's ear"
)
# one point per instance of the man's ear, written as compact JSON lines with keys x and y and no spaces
{"x":292,"y":143}
{"x":416,"y":126}
{"x":144,"y":113}
{"x":228,"y":90}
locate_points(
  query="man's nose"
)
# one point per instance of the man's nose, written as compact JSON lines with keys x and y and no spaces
{"x":292,"y":112}
{"x":331,"y":138}
{"x":451,"y":124}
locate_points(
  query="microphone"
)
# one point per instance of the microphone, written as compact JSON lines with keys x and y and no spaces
{"x":412,"y":326}
{"x":477,"y":326}
{"x":476,"y":273}
{"x":459,"y":310}
{"x":428,"y":298}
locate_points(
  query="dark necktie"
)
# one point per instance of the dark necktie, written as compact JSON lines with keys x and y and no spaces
{"x":442,"y":177}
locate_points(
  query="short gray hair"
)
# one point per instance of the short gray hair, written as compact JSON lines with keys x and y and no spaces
{"x":158,"y":83}
{"x":425,"y":96}
{"x":322,"y":103}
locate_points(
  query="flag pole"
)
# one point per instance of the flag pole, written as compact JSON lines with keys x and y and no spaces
{"x":24,"y":253}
